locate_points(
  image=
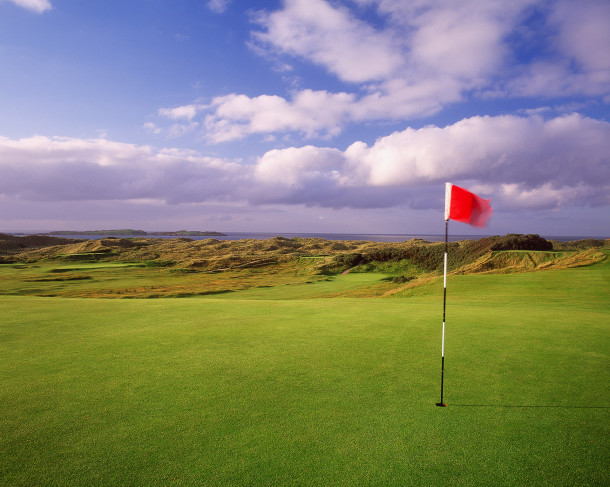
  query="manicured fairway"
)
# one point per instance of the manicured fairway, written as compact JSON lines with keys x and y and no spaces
{"x":284,"y":391}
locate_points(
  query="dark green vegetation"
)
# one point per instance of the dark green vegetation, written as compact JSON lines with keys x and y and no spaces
{"x":521,"y":242}
{"x":261,"y":387}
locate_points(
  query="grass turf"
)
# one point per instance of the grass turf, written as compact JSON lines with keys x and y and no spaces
{"x":283,"y":391}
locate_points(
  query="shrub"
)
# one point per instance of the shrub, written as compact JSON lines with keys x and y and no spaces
{"x":521,"y":242}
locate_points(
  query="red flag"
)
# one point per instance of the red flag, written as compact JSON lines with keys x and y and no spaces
{"x":467,"y":207}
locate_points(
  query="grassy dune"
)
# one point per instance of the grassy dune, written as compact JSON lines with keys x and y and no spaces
{"x":280,"y":386}
{"x":297,"y":267}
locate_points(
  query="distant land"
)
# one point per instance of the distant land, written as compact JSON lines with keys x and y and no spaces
{"x":139,"y":233}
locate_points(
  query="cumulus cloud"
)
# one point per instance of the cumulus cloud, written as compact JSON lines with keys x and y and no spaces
{"x":583,"y":32}
{"x":59,"y":169}
{"x":35,"y":5}
{"x":315,"y":113}
{"x":401,"y":71}
{"x":417,"y":58}
{"x":494,"y":149}
{"x":332,"y":37}
{"x":218,"y":6}
{"x":521,"y":161}
{"x":186,"y":112}
{"x":312,"y":113}
{"x":575,"y":58}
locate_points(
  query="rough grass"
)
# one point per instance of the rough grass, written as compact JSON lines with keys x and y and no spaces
{"x":211,"y":254}
{"x":281,"y":391}
{"x":110,"y":280}
{"x":151,"y":268}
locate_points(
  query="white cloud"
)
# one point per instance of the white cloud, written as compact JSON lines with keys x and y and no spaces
{"x":532,"y":151}
{"x":584,"y":32}
{"x":313,"y":113}
{"x":35,"y":5}
{"x":297,"y":167}
{"x":522,"y":162}
{"x":153,"y":128}
{"x":321,"y":113}
{"x":218,"y":6}
{"x":575,"y":58}
{"x":187,"y":112}
{"x":460,"y":40}
{"x":60,"y":169}
{"x":420,"y":57}
{"x":545,"y":196}
{"x":332,"y":37}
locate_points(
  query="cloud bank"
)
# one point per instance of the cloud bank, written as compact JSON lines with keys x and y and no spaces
{"x":370,"y":64}
{"x":526,"y":162}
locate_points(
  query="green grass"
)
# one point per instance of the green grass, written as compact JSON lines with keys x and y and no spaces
{"x":258,"y":387}
{"x":329,"y":286}
{"x":138,"y":280}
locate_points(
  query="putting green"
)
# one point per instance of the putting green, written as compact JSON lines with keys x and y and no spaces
{"x":260,"y":388}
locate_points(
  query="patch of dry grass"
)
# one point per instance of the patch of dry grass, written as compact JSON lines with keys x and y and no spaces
{"x":182,"y":267}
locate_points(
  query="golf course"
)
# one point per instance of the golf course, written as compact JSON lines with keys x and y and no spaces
{"x":303,"y":362}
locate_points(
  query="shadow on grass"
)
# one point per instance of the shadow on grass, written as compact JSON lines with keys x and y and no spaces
{"x":525,"y":406}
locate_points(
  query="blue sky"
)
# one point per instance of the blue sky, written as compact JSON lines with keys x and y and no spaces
{"x":342,"y":116}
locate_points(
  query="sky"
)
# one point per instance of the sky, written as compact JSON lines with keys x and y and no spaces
{"x":308,"y":116}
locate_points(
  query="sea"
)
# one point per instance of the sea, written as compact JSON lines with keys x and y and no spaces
{"x":371,"y":237}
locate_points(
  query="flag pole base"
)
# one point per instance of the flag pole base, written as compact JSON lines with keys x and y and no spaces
{"x":441,"y":404}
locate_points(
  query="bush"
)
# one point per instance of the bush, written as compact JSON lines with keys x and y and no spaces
{"x":521,"y":242}
{"x":348,"y":260}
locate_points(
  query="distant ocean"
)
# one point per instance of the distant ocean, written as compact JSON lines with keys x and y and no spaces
{"x":326,"y":236}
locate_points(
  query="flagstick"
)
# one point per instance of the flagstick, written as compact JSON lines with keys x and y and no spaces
{"x":442,"y":404}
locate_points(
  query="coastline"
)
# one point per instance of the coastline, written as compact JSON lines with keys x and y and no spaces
{"x":268,"y":235}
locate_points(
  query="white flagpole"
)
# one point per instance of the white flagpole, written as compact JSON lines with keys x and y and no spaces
{"x":447,"y":207}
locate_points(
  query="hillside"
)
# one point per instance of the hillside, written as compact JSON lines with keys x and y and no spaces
{"x":510,"y":252}
{"x":154,"y":267}
{"x":11,"y":243}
